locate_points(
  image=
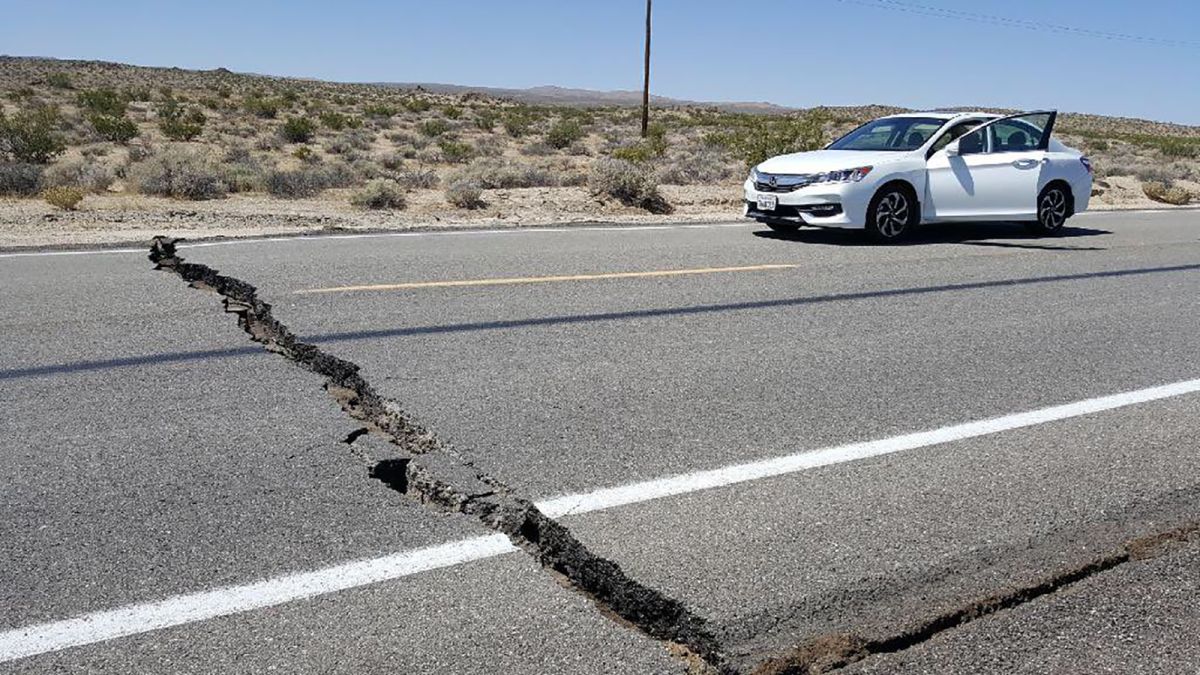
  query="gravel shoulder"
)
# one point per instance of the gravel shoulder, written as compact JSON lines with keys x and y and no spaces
{"x":125,"y":218}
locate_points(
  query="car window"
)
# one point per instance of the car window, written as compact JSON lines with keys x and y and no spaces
{"x":894,"y":133}
{"x":1018,"y":134}
{"x":954,"y":133}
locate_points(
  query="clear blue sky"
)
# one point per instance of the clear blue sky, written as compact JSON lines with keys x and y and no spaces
{"x":792,"y":52}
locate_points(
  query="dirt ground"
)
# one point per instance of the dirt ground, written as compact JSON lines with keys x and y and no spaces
{"x":125,"y":218}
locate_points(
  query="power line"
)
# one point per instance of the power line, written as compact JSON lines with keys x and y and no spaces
{"x":1025,"y":24}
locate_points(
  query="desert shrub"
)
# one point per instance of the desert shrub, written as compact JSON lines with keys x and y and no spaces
{"x":298,"y":130}
{"x":1154,"y":174}
{"x":452,"y":112}
{"x":339,"y":175}
{"x":538,"y":149}
{"x":304,"y":154}
{"x":84,"y":175}
{"x":102,"y":102}
{"x":181,"y":173}
{"x":636,"y":152}
{"x":392,"y":162}
{"x":702,"y":167}
{"x":517,"y":123}
{"x":179,"y":122}
{"x":434,"y":128}
{"x":379,"y":194}
{"x":417,"y":179}
{"x":455,"y":152}
{"x":653,"y":146}
{"x":486,"y":119}
{"x":59,"y":80}
{"x":350,"y":141}
{"x":753,"y":139}
{"x":296,"y":183}
{"x":241,"y":172}
{"x":118,"y":129}
{"x":496,"y":173}
{"x":30,"y":136}
{"x":630,"y":183}
{"x":63,"y":197}
{"x":1166,"y":193}
{"x":564,"y":133}
{"x":336,"y":121}
{"x":417,"y":105}
{"x":20,"y":180}
{"x":136,"y":94}
{"x":464,"y":194}
{"x":269,"y":142}
{"x":265,"y":108}
{"x":489,"y":146}
{"x":379,"y":110}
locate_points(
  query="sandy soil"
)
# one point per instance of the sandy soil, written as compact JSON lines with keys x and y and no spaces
{"x":121,"y":218}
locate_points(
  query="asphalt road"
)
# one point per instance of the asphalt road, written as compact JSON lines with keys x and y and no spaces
{"x":153,"y":451}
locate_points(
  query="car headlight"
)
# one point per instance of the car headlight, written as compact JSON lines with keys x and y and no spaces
{"x":843,"y":176}
{"x":755,"y":176}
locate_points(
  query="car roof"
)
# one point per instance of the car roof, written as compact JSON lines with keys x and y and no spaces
{"x":946,"y":115}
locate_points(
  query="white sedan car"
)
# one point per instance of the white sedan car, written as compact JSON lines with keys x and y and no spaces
{"x":894,"y":173}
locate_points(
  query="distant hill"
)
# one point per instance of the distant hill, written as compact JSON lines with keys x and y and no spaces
{"x":552,"y":95}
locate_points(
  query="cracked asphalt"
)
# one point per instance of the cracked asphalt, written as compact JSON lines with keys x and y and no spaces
{"x":154,"y":451}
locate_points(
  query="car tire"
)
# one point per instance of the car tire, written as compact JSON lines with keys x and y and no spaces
{"x":781,"y":226}
{"x":1053,"y":209}
{"x":892,"y":214}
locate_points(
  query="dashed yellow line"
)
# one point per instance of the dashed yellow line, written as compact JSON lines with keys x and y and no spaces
{"x":544,"y":280}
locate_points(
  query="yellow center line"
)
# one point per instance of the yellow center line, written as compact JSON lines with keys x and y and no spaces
{"x":544,"y":280}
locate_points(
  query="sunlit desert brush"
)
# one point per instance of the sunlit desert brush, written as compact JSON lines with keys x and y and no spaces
{"x":196,"y":135}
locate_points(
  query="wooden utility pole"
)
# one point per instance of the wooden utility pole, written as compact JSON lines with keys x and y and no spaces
{"x":646,"y":82}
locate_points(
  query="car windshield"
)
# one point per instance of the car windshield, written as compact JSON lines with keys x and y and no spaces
{"x":891,"y":133}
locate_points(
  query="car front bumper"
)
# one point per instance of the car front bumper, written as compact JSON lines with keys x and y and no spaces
{"x":842,"y":205}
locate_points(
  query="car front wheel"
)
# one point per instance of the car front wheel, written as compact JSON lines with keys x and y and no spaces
{"x":891,"y":214}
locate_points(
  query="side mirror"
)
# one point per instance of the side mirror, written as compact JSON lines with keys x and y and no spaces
{"x":952,"y":149}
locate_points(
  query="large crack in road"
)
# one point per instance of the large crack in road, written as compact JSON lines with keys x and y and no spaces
{"x":434,"y":473}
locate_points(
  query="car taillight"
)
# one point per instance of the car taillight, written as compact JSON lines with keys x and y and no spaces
{"x":1087,"y":164}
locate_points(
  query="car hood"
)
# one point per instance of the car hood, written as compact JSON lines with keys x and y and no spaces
{"x":827,"y":160}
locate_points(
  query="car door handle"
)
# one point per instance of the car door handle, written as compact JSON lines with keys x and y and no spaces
{"x":1026,"y":163}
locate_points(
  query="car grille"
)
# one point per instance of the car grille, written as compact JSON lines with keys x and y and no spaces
{"x":782,"y":182}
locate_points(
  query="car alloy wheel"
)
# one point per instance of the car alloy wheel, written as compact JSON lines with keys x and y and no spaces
{"x":892,"y":215}
{"x":1052,"y":211}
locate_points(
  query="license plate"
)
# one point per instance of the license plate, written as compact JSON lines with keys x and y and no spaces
{"x":767,"y":202}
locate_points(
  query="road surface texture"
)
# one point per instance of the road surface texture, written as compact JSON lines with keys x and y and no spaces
{"x":972,"y":453}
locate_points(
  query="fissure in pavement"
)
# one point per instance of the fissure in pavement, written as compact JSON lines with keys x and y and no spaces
{"x":436,"y":474}
{"x":829,"y":653}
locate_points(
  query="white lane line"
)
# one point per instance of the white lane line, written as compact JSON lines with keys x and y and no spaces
{"x":182,"y":609}
{"x":375,"y":235}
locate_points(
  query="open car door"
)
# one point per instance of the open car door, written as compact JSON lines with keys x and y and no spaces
{"x":992,"y":172}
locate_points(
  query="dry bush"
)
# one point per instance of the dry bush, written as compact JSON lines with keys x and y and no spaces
{"x":703,"y":167}
{"x":565,"y":133}
{"x":379,"y":195}
{"x":63,"y":197}
{"x":88,"y":176}
{"x":297,"y":130}
{"x":630,"y":183}
{"x":181,"y":173}
{"x":296,"y":184}
{"x":20,"y":180}
{"x":496,"y":173}
{"x":419,"y":178}
{"x":1167,"y":193}
{"x":31,"y":136}
{"x":465,"y":195}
